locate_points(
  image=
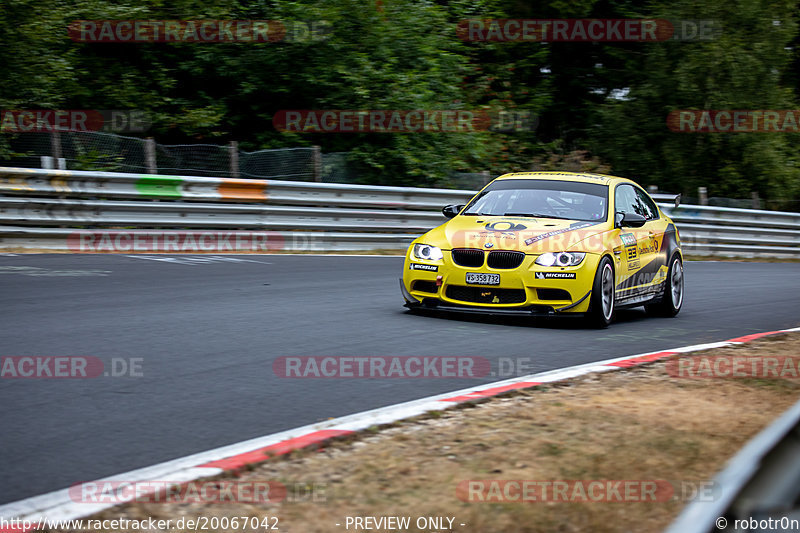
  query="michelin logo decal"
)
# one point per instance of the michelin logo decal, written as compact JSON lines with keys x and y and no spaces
{"x":555,"y":275}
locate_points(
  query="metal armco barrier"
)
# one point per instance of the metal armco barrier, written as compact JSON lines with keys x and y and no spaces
{"x":50,"y":209}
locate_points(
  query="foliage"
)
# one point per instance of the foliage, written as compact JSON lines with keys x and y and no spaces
{"x":600,"y":106}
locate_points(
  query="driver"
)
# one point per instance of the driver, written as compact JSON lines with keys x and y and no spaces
{"x":594,"y":206}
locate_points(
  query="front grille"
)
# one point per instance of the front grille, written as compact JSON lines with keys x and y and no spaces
{"x":553,"y":294}
{"x":424,"y":286}
{"x":505,"y":259}
{"x":485,"y":295}
{"x":468,"y":257}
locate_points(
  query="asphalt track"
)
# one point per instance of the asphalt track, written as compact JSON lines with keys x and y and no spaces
{"x":207,"y":330}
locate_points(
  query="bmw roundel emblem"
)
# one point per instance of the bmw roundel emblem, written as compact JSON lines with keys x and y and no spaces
{"x":489,"y":245}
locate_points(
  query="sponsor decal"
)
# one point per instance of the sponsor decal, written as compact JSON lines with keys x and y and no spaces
{"x":555,"y":275}
{"x":505,"y":226}
{"x":419,"y":266}
{"x":493,"y":234}
{"x":628,"y":239}
{"x":652,"y":247}
{"x":651,"y":273}
{"x":570,"y":174}
{"x":571,"y":227}
{"x":633,"y":265}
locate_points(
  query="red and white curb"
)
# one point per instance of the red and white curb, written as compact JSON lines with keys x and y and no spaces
{"x":58,"y":505}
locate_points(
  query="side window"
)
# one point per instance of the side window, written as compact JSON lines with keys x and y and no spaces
{"x":647,"y":205}
{"x":625,"y":200}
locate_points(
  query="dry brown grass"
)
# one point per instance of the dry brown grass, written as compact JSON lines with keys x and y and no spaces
{"x":629,"y":424}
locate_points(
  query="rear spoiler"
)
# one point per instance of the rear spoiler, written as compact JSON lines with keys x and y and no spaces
{"x":675,"y":198}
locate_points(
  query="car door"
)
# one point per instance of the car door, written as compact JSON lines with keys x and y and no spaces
{"x":637,"y":248}
{"x":652,"y":257}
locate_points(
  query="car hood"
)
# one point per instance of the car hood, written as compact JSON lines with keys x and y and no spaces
{"x":530,"y":235}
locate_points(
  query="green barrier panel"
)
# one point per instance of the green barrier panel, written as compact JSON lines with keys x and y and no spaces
{"x":153,"y":185}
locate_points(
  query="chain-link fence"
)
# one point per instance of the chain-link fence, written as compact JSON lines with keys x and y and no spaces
{"x":281,"y":164}
{"x":116,"y":153}
{"x":79,"y":150}
{"x":335,"y":168}
{"x":192,"y":159}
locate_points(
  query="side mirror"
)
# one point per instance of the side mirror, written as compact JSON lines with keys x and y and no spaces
{"x":631,"y":220}
{"x":451,"y":210}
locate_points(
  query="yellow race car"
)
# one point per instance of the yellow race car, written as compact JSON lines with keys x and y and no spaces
{"x":549,"y":243}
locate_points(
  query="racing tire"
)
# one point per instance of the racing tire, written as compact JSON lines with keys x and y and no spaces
{"x":669,"y":303}
{"x":602,"y":304}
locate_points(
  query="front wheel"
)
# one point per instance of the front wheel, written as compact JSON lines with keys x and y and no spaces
{"x":602,"y":303}
{"x":671,"y":300}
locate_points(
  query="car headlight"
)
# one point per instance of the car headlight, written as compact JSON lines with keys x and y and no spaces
{"x":563,"y":259}
{"x":427,"y":252}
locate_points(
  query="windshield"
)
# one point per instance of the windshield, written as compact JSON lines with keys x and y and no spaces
{"x":543,"y":199}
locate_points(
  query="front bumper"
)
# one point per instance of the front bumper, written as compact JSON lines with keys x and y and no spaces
{"x":529,"y":289}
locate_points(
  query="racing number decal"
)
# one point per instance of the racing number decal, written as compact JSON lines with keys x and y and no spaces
{"x":629,"y":241}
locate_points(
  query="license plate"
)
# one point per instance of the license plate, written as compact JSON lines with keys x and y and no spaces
{"x":477,"y":278}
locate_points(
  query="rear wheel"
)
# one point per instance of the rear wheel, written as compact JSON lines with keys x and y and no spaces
{"x":602,"y":303}
{"x":671,"y":300}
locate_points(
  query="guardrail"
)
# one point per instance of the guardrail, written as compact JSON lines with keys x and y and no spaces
{"x":38,"y":208}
